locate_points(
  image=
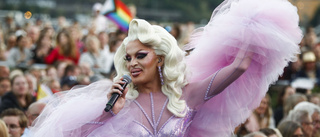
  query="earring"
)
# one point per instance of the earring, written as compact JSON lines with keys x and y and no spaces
{"x":159,"y":60}
{"x":160,"y":73}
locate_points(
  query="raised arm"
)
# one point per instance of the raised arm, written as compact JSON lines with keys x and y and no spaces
{"x":217,"y":82}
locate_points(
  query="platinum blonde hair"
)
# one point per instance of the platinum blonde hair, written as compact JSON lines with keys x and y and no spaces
{"x":174,"y":68}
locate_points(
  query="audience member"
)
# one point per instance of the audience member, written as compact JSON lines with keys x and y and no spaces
{"x":302,"y":113}
{"x":43,"y":46}
{"x":5,"y":86}
{"x":19,"y":96}
{"x":261,"y":117}
{"x":32,"y":113}
{"x":284,"y":94}
{"x":65,"y":49}
{"x":16,"y":121}
{"x":290,"y":129}
{"x":20,"y":56}
{"x":4,"y":70}
{"x":292,"y":101}
{"x":94,"y":56}
{"x":33,"y":32}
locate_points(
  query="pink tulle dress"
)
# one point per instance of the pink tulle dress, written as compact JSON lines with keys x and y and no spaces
{"x":264,"y":33}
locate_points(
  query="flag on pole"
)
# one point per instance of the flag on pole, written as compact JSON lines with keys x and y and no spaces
{"x":43,"y":91}
{"x":118,"y":12}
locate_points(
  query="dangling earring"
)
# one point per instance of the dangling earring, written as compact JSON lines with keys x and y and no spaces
{"x":160,"y":73}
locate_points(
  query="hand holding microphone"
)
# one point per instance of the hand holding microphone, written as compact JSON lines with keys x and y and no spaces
{"x":117,"y":94}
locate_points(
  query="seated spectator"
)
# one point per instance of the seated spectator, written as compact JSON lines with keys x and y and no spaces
{"x":309,"y":69}
{"x":42,"y":48}
{"x":87,"y":71}
{"x":4,"y":70}
{"x":94,"y":56}
{"x":5,"y":86}
{"x":52,"y":73}
{"x":32,"y":113}
{"x":314,"y":98}
{"x":261,"y":116}
{"x":65,"y":50}
{"x":302,"y":113}
{"x":284,"y":94}
{"x":292,"y":101}
{"x":16,"y":121}
{"x":18,"y":97}
{"x":290,"y":129}
{"x":4,"y":131}
{"x":20,"y":56}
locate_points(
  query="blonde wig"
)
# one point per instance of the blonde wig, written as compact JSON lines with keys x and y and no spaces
{"x":174,"y":68}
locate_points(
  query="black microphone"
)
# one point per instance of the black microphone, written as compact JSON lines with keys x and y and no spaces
{"x":114,"y":97}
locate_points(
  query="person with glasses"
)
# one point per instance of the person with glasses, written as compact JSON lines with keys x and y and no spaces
{"x":305,"y":113}
{"x":290,"y":129}
{"x":15,"y":120}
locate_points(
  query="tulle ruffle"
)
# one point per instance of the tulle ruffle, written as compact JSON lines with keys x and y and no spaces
{"x":268,"y":29}
{"x":80,"y":112}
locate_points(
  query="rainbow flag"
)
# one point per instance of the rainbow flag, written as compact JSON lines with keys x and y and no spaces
{"x":118,"y":12}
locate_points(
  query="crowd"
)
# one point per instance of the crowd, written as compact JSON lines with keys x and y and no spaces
{"x":60,"y":57}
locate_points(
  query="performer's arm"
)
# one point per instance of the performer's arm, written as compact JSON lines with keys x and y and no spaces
{"x":217,"y":82}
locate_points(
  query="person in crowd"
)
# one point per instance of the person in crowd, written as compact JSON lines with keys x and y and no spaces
{"x":314,"y":98}
{"x":54,"y":85}
{"x":61,"y":66}
{"x":33,"y":32}
{"x":94,"y":56}
{"x":32,"y":113}
{"x":290,"y":129}
{"x":51,"y":73}
{"x":4,"y":70}
{"x":99,"y":22}
{"x":283,"y":95}
{"x":11,"y":41}
{"x":261,"y":116}
{"x":5,"y":86}
{"x":20,"y":56}
{"x":18,"y":97}
{"x":16,"y":121}
{"x":32,"y":83}
{"x":87,"y":71}
{"x":77,"y":36}
{"x":302,"y":113}
{"x":309,"y":69}
{"x":43,"y":46}
{"x":65,"y":49}
{"x":69,"y":78}
{"x":3,"y":51}
{"x":104,"y":42}
{"x":310,"y":37}
{"x":292,"y":101}
{"x":316,"y":124}
{"x":4,"y":131}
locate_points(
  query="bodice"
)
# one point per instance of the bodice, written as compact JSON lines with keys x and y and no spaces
{"x":173,"y":127}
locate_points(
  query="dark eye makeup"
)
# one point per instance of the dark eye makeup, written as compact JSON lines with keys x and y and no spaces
{"x":139,"y":55}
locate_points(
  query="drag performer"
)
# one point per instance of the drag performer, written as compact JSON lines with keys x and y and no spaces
{"x":235,"y":57}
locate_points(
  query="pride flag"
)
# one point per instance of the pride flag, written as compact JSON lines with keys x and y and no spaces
{"x":118,"y":12}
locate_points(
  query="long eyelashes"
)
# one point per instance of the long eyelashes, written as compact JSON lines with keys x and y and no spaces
{"x":141,"y":55}
{"x":138,"y":56}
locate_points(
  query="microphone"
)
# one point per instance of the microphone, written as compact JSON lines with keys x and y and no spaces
{"x":115,"y":96}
